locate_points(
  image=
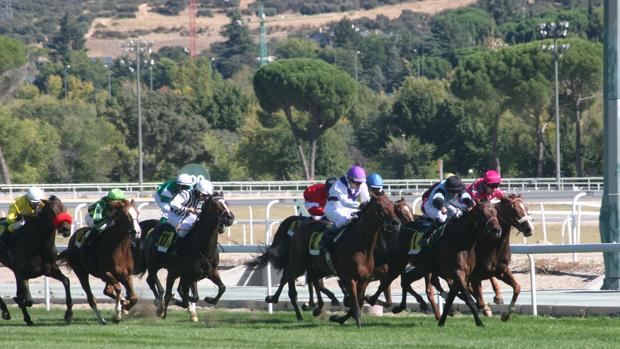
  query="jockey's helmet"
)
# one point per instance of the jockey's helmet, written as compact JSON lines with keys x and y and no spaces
{"x":356,"y":174}
{"x":374,"y":180}
{"x":116,"y":194}
{"x":34,"y":194}
{"x":492,"y":177}
{"x":185,"y":179}
{"x":205,"y":186}
{"x":454,"y":184}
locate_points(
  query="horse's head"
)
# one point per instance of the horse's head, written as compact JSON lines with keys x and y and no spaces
{"x":403,"y":211}
{"x":485,"y":217}
{"x":216,"y":206}
{"x":382,"y":209}
{"x":54,"y":211}
{"x":125,"y":216}
{"x":512,"y":209}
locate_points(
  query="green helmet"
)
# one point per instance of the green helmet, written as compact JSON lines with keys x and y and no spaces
{"x":116,"y":194}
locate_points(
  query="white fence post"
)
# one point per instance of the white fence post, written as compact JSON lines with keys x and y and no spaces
{"x":78,"y":218}
{"x":575,"y":222}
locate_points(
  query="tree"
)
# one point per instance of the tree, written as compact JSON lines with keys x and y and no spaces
{"x":12,"y":54}
{"x":239,"y":48}
{"x":407,"y":157}
{"x":313,"y":96}
{"x":296,"y":48}
{"x":70,"y":37}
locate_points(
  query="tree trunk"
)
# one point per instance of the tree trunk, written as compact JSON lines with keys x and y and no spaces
{"x":312,"y":159}
{"x":578,"y":143}
{"x":540,"y":149}
{"x":4,"y":169}
{"x":495,"y":147}
{"x":303,"y":160}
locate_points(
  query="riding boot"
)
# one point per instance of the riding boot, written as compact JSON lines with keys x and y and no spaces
{"x":90,"y":238}
{"x":176,"y":245}
{"x":426,"y":239}
{"x":327,"y":241}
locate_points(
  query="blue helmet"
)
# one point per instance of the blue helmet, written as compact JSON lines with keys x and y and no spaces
{"x":374,"y":180}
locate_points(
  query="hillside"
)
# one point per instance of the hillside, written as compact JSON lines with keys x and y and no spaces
{"x":105,"y":34}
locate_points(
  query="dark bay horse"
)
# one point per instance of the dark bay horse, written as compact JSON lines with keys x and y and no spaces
{"x":454,"y":256}
{"x":198,"y":260}
{"x":352,"y":259}
{"x":32,"y":253}
{"x":109,"y":259}
{"x":493,"y":256}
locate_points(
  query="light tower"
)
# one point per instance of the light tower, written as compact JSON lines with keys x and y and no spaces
{"x":192,"y":29}
{"x":262,"y":35}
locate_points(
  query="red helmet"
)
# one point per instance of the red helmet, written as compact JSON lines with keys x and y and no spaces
{"x":492,"y":177}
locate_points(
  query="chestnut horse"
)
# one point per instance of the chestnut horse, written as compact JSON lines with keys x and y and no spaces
{"x":454,"y":256}
{"x":110,"y":258}
{"x":198,"y":259}
{"x":352,"y":259}
{"x":493,"y":256}
{"x":31,"y":253}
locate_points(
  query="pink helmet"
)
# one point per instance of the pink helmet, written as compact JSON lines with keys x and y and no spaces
{"x":356,"y":174}
{"x":492,"y":177}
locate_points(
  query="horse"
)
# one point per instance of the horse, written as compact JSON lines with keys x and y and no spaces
{"x":199,"y":258}
{"x":454,"y":256}
{"x":352,"y":259}
{"x":109,"y":258}
{"x":31,"y":253}
{"x":493,"y":256}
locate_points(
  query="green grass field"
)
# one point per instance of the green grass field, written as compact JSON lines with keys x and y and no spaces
{"x":247,"y":329}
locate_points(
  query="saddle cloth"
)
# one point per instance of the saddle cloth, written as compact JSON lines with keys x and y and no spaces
{"x":314,"y":246}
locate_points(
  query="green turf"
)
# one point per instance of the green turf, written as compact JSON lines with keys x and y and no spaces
{"x":247,"y":329}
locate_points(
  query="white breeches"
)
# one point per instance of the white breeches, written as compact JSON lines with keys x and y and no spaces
{"x":182,"y":224}
{"x":338,"y":214}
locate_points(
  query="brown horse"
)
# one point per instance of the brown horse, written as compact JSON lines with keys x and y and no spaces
{"x":493,"y":256}
{"x":198,"y":259}
{"x":31,"y":253}
{"x":109,"y":259}
{"x":352,"y":259}
{"x":454,"y":256}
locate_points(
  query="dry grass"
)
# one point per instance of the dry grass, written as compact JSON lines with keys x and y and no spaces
{"x":213,"y":25}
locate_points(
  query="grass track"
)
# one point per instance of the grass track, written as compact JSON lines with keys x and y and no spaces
{"x":246,"y":329}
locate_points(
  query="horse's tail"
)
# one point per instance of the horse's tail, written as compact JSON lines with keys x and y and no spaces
{"x":63,"y":258}
{"x":277,"y":253}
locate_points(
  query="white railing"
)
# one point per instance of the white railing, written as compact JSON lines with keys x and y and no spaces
{"x":392,"y":185}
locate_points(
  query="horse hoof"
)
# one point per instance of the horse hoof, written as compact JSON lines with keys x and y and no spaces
{"x":69,"y":316}
{"x":424,"y":307}
{"x":116,"y":319}
{"x":335,"y":302}
{"x":6,"y":315}
{"x":193,"y":318}
{"x":193,"y":299}
{"x":505,"y":317}
{"x":270,"y":299}
{"x":29,"y":323}
{"x":29,"y":303}
{"x":487,"y":312}
{"x":317,"y":311}
{"x":307,"y":306}
{"x":397,"y":310}
{"x":498,"y":301}
{"x":210,"y":300}
{"x":479,"y":324}
{"x":369,"y":300}
{"x":334,"y":318}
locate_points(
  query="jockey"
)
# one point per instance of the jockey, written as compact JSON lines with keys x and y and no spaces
{"x":447,"y":200}
{"x":375,"y":183}
{"x":487,"y":187}
{"x":98,"y":215}
{"x":166,"y":191}
{"x":343,"y":200}
{"x":315,"y":198}
{"x":184,"y":209}
{"x":25,"y":206}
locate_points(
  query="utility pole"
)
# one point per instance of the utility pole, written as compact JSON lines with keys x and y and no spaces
{"x":139,"y":47}
{"x":555,"y":31}
{"x":65,"y":79}
{"x":263,"y":58}
{"x":609,"y":221}
{"x":192,"y":29}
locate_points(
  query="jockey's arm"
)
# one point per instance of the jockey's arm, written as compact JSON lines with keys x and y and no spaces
{"x":364,"y":194}
{"x":178,"y":203}
{"x":13,"y":215}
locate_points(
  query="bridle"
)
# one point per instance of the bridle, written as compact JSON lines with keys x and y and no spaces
{"x":522,"y":223}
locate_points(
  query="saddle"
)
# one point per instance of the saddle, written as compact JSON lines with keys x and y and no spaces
{"x":167,"y":238}
{"x":419,"y":228}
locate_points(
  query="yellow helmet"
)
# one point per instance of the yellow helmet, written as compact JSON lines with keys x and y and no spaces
{"x":448,"y":175}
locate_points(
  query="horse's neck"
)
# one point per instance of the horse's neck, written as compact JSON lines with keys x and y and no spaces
{"x":365,"y":233}
{"x":205,"y":236}
{"x":471,"y":234}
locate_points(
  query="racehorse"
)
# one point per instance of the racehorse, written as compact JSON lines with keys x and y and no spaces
{"x":454,"y":256}
{"x":198,"y":259}
{"x":109,"y":258}
{"x":493,"y":256}
{"x":31,"y":253}
{"x":352,"y":259}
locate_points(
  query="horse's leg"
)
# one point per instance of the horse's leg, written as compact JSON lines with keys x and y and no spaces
{"x":497,"y":299}
{"x":310,"y":304}
{"x":435,"y":282}
{"x":417,"y":296}
{"x":332,"y":297}
{"x":292,"y":295}
{"x":82,"y":275}
{"x":56,"y":274}
{"x":354,"y":308}
{"x":158,"y":290}
{"x":193,"y":317}
{"x":449,"y":300}
{"x":215,"y":278}
{"x":168,"y":295}
{"x":459,"y":281}
{"x":5,"y":311}
{"x":22,"y":298}
{"x":276,"y":296}
{"x":516,"y":290}
{"x":476,"y":287}
{"x":384,"y":284}
{"x":118,"y":304}
{"x":405,"y":283}
{"x":319,"y":299}
{"x":130,"y":292}
{"x":430,"y":294}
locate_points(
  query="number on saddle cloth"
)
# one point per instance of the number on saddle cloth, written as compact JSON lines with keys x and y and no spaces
{"x":166,"y":238}
{"x":418,"y":227}
{"x":314,"y":245}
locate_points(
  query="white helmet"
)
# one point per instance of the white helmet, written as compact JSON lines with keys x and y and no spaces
{"x":34,"y":194}
{"x":204,"y":186}
{"x":185,"y":179}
